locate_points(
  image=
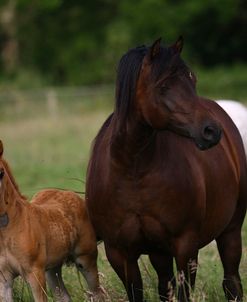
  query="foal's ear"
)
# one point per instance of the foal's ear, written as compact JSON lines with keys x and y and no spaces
{"x":178,"y":45}
{"x":154,"y":50}
{"x":1,"y":148}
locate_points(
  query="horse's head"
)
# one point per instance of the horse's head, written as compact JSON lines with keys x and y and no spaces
{"x":166,"y":96}
{"x":4,"y":220}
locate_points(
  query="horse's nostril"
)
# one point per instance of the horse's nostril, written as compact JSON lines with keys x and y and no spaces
{"x":208,"y":133}
{"x":211,"y":133}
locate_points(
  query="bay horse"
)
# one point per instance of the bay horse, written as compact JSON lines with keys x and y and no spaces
{"x":37,"y":238}
{"x":166,"y":176}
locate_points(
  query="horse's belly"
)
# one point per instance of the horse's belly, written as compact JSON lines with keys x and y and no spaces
{"x":217,"y":219}
{"x":144,"y":233}
{"x":221,"y":204}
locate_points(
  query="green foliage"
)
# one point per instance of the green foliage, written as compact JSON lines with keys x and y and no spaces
{"x":80,"y":42}
{"x":222,"y":82}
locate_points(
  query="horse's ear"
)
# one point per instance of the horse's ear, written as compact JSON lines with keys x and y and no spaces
{"x":178,"y":45}
{"x":1,"y":148}
{"x":154,"y":50}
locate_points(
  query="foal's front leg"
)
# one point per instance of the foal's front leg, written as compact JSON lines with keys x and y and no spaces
{"x":6,"y":283}
{"x":128,"y":271}
{"x":37,"y":282}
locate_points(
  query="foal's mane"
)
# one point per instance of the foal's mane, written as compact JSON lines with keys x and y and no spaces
{"x":11,"y":178}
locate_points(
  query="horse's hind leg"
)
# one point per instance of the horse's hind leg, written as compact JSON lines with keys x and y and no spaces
{"x":128,"y":271}
{"x":230,"y":250}
{"x":56,"y":284}
{"x":87,"y":265}
{"x":163,"y":265}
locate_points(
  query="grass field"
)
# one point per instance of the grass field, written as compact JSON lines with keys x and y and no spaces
{"x":51,"y":150}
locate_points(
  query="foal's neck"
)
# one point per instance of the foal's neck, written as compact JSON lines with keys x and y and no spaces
{"x":12,"y":193}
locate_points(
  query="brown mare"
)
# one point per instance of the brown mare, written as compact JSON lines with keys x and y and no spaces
{"x":151,"y":189}
{"x":37,"y":238}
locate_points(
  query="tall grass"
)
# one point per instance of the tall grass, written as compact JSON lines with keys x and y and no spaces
{"x":51,"y":150}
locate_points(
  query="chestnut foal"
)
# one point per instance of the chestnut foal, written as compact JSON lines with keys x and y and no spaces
{"x":37,"y":238}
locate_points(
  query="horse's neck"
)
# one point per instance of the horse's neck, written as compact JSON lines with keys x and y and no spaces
{"x":133,"y":141}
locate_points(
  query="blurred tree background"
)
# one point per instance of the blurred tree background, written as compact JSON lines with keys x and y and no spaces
{"x":58,"y":62}
{"x":77,"y":42}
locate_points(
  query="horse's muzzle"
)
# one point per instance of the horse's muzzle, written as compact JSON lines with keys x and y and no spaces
{"x":209,"y":137}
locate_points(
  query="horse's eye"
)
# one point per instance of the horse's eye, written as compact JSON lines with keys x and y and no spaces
{"x":163,"y":89}
{"x":192,"y":76}
{"x":1,"y":174}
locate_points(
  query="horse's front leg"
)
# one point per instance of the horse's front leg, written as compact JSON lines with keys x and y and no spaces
{"x":163,"y":265}
{"x":128,"y":271}
{"x":186,"y":254}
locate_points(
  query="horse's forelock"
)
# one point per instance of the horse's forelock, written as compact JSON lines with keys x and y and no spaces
{"x":166,"y":61}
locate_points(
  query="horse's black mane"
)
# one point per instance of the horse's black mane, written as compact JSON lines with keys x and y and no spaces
{"x":128,"y":73}
{"x":127,"y":76}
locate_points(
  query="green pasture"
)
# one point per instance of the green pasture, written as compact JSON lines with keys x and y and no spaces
{"x":47,"y":144}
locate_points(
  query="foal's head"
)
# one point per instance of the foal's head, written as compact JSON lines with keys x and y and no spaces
{"x":160,"y":91}
{"x":9,"y":191}
{"x":4,"y":220}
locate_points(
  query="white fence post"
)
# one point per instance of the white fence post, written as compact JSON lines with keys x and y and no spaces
{"x":52,"y":103}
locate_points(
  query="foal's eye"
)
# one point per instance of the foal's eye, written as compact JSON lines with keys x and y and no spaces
{"x":1,"y":174}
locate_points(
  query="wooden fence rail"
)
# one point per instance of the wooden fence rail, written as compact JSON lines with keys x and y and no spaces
{"x":53,"y":99}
